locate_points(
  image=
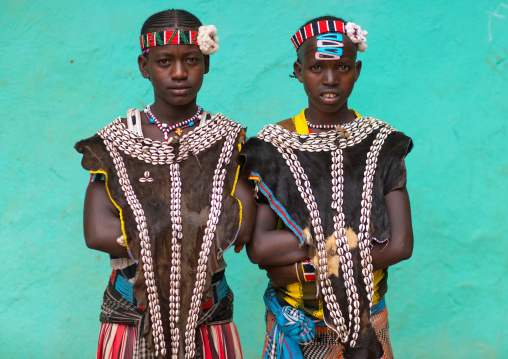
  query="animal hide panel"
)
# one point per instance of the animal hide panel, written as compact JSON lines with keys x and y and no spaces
{"x":262,"y":160}
{"x":155,"y":198}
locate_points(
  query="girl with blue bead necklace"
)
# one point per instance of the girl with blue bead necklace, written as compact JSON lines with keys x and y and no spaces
{"x":165,"y":201}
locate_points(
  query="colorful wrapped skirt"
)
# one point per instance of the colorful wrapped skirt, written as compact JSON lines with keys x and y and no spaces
{"x":119,"y":341}
{"x":325,"y":344}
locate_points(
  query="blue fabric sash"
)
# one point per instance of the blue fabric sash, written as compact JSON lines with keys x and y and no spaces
{"x":291,"y":329}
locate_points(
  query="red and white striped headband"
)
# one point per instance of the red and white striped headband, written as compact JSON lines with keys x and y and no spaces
{"x":316,"y":28}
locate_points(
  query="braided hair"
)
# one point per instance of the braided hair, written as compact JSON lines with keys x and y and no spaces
{"x":321,"y":18}
{"x":172,"y":18}
{"x":326,"y":17}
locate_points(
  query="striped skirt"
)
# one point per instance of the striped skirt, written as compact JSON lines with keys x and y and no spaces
{"x":325,"y":346}
{"x":118,"y":341}
{"x":219,"y":341}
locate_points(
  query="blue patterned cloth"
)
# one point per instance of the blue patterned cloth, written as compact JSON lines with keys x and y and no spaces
{"x":291,"y":329}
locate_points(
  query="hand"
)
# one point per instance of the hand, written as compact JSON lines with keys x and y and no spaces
{"x":281,"y":276}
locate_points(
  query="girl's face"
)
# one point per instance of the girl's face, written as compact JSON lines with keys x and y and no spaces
{"x":175,"y":71}
{"x":328,"y":83}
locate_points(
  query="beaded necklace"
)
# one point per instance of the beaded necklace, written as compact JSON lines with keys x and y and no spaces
{"x":329,"y":127}
{"x":167,"y":129}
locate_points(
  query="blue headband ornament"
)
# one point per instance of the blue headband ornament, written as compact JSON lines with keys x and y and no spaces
{"x":329,"y":46}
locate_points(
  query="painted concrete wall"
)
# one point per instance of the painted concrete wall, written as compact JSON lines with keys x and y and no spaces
{"x":437,"y":70}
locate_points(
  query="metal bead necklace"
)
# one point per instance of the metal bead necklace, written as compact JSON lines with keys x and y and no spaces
{"x":167,"y":129}
{"x":328,"y":127}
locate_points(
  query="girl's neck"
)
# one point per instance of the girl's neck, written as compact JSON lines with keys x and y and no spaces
{"x":339,"y":117}
{"x":173,"y":114}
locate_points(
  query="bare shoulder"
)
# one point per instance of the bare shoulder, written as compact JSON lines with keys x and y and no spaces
{"x":287,"y":124}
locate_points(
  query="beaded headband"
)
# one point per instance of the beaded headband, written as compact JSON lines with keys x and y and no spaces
{"x":206,"y":38}
{"x":353,"y":31}
{"x":168,"y":37}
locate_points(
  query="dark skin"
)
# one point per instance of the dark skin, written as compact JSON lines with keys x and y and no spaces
{"x":328,"y":84}
{"x":176,"y":73}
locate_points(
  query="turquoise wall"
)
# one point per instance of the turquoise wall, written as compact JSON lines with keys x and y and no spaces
{"x":437,"y":70}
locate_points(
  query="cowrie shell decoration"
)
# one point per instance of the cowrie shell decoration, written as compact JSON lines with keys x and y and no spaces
{"x":146,"y":178}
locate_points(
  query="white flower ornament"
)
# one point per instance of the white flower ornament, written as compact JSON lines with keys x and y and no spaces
{"x":207,"y":39}
{"x":357,"y":35}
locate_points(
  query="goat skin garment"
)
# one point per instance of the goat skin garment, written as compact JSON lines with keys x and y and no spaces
{"x":198,"y":155}
{"x":262,"y":162}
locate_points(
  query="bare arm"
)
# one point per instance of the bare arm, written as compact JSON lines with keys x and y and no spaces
{"x":270,"y":246}
{"x":245,"y":194}
{"x":101,"y":222}
{"x":400,"y":246}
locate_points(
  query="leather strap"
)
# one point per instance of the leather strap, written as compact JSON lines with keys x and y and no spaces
{"x":134,"y":121}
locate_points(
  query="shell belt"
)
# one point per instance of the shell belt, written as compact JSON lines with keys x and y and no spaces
{"x":118,"y":139}
{"x":335,"y":141}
